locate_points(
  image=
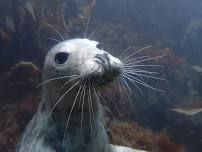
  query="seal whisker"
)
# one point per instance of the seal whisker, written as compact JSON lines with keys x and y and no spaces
{"x":49,"y":38}
{"x":148,"y":76}
{"x":139,"y":89}
{"x":71,"y":67}
{"x":136,"y":58}
{"x":95,"y":93}
{"x":62,"y":98}
{"x":54,"y":30}
{"x":149,"y":59}
{"x":119,"y":85}
{"x":140,"y":71}
{"x":138,"y":74}
{"x":85,"y":34}
{"x":93,"y":32}
{"x":69,"y":82}
{"x":132,"y":65}
{"x":71,"y":112}
{"x":57,"y":78}
{"x":108,"y":97}
{"x":138,"y":81}
{"x":125,"y":90}
{"x":126,"y":50}
{"x":89,"y":110}
{"x":102,"y":97}
{"x":91,"y":103}
{"x":84,"y":94}
{"x":130,"y":77}
{"x":127,"y":85}
{"x":100,"y":93}
{"x":136,"y":52}
{"x":124,"y":81}
{"x":81,"y":96}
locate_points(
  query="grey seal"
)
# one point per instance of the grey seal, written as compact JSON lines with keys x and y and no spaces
{"x":69,"y":116}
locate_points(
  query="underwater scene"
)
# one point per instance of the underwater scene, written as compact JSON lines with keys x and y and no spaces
{"x":101,"y":76}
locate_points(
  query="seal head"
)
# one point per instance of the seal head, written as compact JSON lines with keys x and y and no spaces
{"x":82,"y":58}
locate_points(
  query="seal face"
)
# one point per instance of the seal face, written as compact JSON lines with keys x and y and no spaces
{"x":81,"y":57}
{"x":69,"y":118}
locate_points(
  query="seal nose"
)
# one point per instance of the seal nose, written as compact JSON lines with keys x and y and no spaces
{"x":101,"y":59}
{"x":112,"y":66}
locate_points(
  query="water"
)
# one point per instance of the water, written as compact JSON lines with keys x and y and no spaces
{"x":165,"y":117}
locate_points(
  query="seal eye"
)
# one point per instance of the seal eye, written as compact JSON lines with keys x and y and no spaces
{"x":100,"y":46}
{"x":61,"y":57}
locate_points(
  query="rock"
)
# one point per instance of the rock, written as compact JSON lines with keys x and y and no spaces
{"x":22,"y":77}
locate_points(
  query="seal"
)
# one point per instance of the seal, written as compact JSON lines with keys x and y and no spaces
{"x":69,"y":116}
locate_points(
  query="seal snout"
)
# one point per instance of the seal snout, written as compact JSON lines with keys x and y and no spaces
{"x":101,"y":60}
{"x":112,"y":67}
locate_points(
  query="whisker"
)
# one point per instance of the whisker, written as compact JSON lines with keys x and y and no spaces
{"x":100,"y":94}
{"x":135,"y":58}
{"x":85,"y":34}
{"x":91,"y":103}
{"x":125,"y":90}
{"x":84,"y":94}
{"x":57,"y":78}
{"x":89,"y":109}
{"x":96,"y":96}
{"x":139,"y":89}
{"x":126,"y":50}
{"x":62,"y":98}
{"x":123,"y":80}
{"x":156,"y":57}
{"x":69,"y":82}
{"x":131,"y":65}
{"x":119,"y":85}
{"x":72,"y":67}
{"x":140,"y":71}
{"x":93,"y":32}
{"x":133,"y":79}
{"x":148,"y":76}
{"x":49,"y":38}
{"x":54,"y":30}
{"x":71,"y":112}
{"x":136,"y":52}
{"x":108,"y":96}
{"x":80,"y":99}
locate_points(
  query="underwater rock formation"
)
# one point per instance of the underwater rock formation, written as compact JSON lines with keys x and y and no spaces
{"x":23,"y":77}
{"x":164,"y":144}
{"x":29,"y":28}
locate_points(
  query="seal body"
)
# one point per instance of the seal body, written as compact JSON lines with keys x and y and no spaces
{"x":69,"y":117}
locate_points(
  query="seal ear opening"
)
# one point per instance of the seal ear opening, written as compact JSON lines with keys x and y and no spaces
{"x":61,"y":58}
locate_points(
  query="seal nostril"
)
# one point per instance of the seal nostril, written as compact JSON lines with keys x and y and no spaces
{"x":100,"y":46}
{"x":61,"y":57}
{"x":101,"y":59}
